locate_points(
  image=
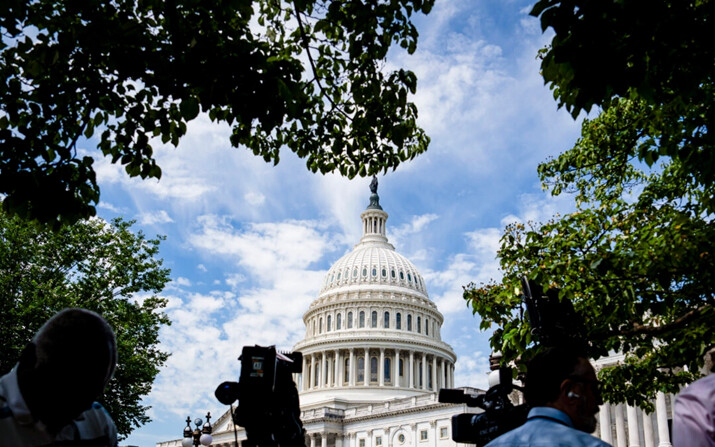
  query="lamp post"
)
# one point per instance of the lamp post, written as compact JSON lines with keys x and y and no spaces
{"x":199,"y":435}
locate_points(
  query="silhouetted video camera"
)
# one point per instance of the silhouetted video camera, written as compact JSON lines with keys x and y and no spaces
{"x":268,"y":406}
{"x":500,"y":415}
{"x":553,"y":322}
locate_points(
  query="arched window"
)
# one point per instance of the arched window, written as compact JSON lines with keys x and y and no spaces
{"x":400,"y":366}
{"x":320,"y":325}
{"x":362,"y":319}
{"x":374,"y":319}
{"x":346,"y":370}
{"x":330,"y":323}
{"x":419,"y":325}
{"x":339,"y":322}
{"x":361,"y":370}
{"x":402,"y":275}
{"x":398,"y":321}
{"x":373,"y":369}
{"x":392,"y":272}
{"x":420,"y":370}
{"x":429,"y":376}
{"x":409,"y":322}
{"x":388,"y":370}
{"x":374,"y":271}
{"x":364,"y":271}
{"x":386,"y":320}
{"x":426,"y":326}
{"x":350,"y":320}
{"x":384,"y":272}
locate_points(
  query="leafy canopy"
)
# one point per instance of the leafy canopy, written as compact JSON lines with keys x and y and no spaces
{"x":100,"y":266}
{"x":307,"y":75}
{"x":637,"y":259}
{"x":654,"y":52}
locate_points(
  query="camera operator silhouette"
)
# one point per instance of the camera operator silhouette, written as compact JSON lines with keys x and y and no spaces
{"x":48,"y":397}
{"x":562,"y":390}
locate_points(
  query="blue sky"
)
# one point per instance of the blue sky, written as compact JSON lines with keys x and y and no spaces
{"x":249,"y":243}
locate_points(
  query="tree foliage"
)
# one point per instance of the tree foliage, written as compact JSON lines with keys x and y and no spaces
{"x":304,"y":74}
{"x":637,"y":259}
{"x":654,"y":52}
{"x":98,"y":266}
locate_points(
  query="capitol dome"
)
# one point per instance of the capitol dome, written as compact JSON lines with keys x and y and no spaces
{"x":373,"y":333}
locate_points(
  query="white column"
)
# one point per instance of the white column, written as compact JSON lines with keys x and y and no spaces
{"x":338,"y":440}
{"x":366,"y":368}
{"x":634,"y":438}
{"x":313,"y":371}
{"x":321,"y":378}
{"x":381,"y":368}
{"x":412,"y":369}
{"x":605,"y":422}
{"x":329,"y":373}
{"x":338,"y":367}
{"x":661,"y":414}
{"x":442,"y":376}
{"x":396,"y":368}
{"x":435,"y":386}
{"x":648,"y":435}
{"x":424,"y":371}
{"x":312,"y":440}
{"x":302,"y":374}
{"x":323,"y":440}
{"x":351,"y":368}
{"x":620,"y":427}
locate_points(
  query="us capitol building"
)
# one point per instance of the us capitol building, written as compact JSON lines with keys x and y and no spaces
{"x":374,"y":361}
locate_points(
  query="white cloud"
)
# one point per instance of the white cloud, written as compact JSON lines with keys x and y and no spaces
{"x":472,"y":370}
{"x":254,"y":198}
{"x":109,"y":207}
{"x":202,"y":268}
{"x":153,"y":218}
{"x":181,"y":281}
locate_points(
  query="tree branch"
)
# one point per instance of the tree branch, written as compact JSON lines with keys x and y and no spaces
{"x":640,"y":329}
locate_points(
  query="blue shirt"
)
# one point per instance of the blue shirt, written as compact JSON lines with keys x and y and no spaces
{"x":546,"y":426}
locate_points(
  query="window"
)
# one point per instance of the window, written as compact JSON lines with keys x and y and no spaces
{"x":330,"y":323}
{"x":419,"y":326}
{"x":384,"y":272}
{"x":339,"y":322}
{"x":361,"y":370}
{"x":378,"y":440}
{"x":362,"y":443}
{"x":402,"y":275}
{"x":400,"y":365}
{"x":364,"y":271}
{"x":409,"y":322}
{"x":423,"y":435}
{"x":350,"y":320}
{"x":429,"y":377}
{"x":355,"y":272}
{"x":401,"y":438}
{"x":409,"y":277}
{"x":419,"y":366}
{"x":386,"y":320}
{"x":443,"y":433}
{"x":346,"y":371}
{"x":374,"y":271}
{"x":392,"y":272}
{"x":338,"y":276}
{"x":388,"y":373}
{"x":374,"y":319}
{"x":398,"y":321}
{"x":320,"y":326}
{"x":426,"y":326}
{"x":362,"y":319}
{"x":315,"y":376}
{"x":373,"y":369}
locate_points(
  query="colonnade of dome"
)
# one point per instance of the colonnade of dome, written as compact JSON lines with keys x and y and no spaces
{"x":373,"y":333}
